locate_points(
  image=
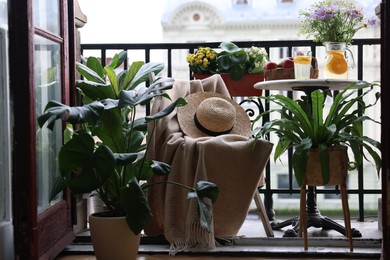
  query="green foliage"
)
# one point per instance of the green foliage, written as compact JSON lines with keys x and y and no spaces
{"x":303,"y":124}
{"x":106,"y":143}
{"x":232,"y":60}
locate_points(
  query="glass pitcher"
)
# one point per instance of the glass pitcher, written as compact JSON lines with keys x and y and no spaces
{"x":336,"y":64}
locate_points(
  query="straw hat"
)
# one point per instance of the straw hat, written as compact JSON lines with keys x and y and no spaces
{"x":212,"y":114}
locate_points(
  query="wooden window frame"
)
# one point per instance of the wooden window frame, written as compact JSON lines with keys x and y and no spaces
{"x":36,"y":235}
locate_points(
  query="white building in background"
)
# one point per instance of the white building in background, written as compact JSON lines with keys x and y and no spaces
{"x":261,"y":20}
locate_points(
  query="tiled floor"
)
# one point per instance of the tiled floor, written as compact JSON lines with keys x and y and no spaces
{"x":253,"y":244}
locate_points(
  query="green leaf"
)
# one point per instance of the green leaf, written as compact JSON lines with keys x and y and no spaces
{"x":166,"y":111}
{"x":113,"y":79}
{"x":317,"y":98}
{"x":134,"y":203}
{"x":143,"y":96}
{"x":84,"y":168}
{"x":223,"y":62}
{"x":144,"y":73}
{"x":123,"y":159}
{"x":89,"y":74}
{"x":296,"y":110}
{"x":96,"y":91}
{"x":117,"y":60}
{"x":204,"y":189}
{"x":94,"y":64}
{"x":282,"y":146}
{"x":130,"y":74}
{"x":110,"y":130}
{"x":74,"y":115}
{"x":229,"y":47}
{"x":299,"y":160}
{"x":68,"y":132}
{"x":58,"y":186}
{"x":160,"y":168}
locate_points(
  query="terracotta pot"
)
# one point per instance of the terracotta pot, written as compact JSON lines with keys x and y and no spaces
{"x":112,"y":238}
{"x":240,"y":88}
{"x":338,"y":166}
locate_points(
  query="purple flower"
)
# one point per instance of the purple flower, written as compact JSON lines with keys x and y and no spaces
{"x":356,"y":13}
{"x":372,"y":22}
{"x":323,"y":14}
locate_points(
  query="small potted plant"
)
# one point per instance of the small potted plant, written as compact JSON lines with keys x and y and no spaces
{"x":239,"y":68}
{"x":306,"y":127}
{"x":105,"y":153}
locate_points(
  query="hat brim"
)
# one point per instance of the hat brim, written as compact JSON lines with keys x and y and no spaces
{"x":185,"y":115}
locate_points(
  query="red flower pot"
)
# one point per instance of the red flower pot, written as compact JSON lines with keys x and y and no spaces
{"x":240,"y":88}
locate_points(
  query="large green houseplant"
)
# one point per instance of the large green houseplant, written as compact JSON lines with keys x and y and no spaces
{"x":105,"y":143}
{"x":304,"y":124}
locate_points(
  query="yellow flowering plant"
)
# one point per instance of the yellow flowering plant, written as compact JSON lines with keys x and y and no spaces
{"x":203,"y":61}
{"x":232,"y":60}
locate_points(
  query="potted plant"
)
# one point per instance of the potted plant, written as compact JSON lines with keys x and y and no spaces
{"x":105,"y":145}
{"x":239,"y":68}
{"x":306,"y":127}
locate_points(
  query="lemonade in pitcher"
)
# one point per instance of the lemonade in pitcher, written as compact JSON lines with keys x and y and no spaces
{"x":336,"y":65}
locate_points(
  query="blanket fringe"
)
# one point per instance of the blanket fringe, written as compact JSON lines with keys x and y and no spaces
{"x":196,"y":237}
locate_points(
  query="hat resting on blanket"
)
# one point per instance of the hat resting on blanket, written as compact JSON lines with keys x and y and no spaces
{"x":212,"y":114}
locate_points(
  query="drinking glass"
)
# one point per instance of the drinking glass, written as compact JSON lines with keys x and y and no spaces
{"x":302,"y":62}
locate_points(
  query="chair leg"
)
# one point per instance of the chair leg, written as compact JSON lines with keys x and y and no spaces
{"x":263,"y":215}
{"x":302,"y":217}
{"x":347,"y":217}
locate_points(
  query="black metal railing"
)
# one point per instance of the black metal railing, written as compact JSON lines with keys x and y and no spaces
{"x":285,"y":48}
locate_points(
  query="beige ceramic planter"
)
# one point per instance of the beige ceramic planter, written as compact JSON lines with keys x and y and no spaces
{"x":112,"y":238}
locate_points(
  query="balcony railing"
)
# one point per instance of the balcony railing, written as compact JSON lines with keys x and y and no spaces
{"x":367,"y":57}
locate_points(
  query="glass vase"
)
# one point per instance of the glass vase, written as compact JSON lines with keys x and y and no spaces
{"x":336,"y":63}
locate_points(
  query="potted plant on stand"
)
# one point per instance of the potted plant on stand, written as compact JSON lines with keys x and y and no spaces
{"x":325,"y":144}
{"x":105,"y":154}
{"x":239,"y":68}
{"x":304,"y":125}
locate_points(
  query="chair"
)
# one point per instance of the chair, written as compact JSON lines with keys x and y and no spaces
{"x":232,"y":161}
{"x":338,"y":174}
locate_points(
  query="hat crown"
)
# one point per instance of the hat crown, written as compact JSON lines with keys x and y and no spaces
{"x":216,"y":114}
{"x":212,"y":114}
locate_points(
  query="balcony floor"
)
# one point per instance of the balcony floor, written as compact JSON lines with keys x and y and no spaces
{"x":252,"y":243}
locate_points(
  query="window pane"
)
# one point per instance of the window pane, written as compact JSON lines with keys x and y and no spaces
{"x":47,"y":15}
{"x":47,"y":87}
{"x":5,"y":157}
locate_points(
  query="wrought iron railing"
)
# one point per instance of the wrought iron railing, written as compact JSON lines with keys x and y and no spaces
{"x":362,"y":47}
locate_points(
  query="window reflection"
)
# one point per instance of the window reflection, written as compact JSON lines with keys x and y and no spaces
{"x":47,"y":87}
{"x":47,"y":15}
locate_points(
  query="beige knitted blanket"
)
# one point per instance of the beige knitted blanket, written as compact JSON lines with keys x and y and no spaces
{"x":233,"y":162}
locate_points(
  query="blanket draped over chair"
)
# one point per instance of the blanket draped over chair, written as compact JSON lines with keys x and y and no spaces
{"x":233,"y":162}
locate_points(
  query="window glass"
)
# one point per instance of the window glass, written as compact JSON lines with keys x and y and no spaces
{"x":47,"y":87}
{"x":283,"y":184}
{"x":47,"y":15}
{"x":4,"y":130}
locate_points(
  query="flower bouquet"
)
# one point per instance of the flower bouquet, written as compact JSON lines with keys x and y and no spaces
{"x":333,"y":21}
